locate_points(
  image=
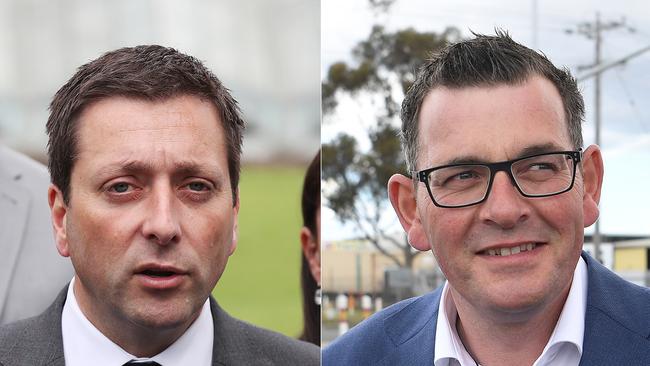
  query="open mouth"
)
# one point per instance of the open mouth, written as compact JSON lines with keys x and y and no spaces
{"x":160,"y":277}
{"x":507,"y":251}
{"x":156,"y":273}
{"x":155,"y":270}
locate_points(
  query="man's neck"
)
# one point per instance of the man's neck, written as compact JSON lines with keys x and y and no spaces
{"x":136,"y":339}
{"x":140,"y":341}
{"x":501,"y":339}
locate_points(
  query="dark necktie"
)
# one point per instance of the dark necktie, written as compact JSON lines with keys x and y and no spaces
{"x":141,"y":363}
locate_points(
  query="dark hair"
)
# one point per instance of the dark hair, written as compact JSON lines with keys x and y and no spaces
{"x":310,"y":207}
{"x":151,"y":73}
{"x":486,"y":61}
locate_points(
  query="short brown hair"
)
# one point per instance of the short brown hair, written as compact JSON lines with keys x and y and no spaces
{"x":151,"y":73}
{"x":486,"y":61}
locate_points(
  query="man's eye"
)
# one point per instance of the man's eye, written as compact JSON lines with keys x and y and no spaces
{"x":542,"y":167}
{"x":197,"y":186}
{"x":120,"y":187}
{"x":464,"y":175}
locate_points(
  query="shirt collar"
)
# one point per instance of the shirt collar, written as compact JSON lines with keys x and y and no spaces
{"x":568,"y":331}
{"x":83,"y":344}
{"x":449,"y":350}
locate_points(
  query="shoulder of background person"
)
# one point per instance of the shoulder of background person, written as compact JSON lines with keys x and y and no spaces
{"x":383,"y":335}
{"x":22,"y":169}
{"x":240,"y":343}
{"x":35,"y":341}
{"x":31,"y":271}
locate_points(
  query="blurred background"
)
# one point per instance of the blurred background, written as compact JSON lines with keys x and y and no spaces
{"x":370,"y":51}
{"x":265,"y":52}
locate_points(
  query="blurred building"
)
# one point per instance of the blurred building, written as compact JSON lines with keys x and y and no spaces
{"x":355,"y":266}
{"x":266,"y":52}
{"x":632,"y":260}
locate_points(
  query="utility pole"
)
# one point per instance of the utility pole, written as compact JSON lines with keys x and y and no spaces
{"x":594,"y":31}
{"x":606,"y":66}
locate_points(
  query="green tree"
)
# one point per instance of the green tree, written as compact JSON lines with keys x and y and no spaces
{"x":384,"y":67}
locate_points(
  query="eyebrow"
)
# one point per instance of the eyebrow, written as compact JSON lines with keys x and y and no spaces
{"x":527,"y":151}
{"x":180,"y":169}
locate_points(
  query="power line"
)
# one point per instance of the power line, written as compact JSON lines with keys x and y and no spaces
{"x":593,"y":31}
{"x":630,"y":99}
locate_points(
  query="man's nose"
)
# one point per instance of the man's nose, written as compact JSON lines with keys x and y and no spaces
{"x":505,"y":207}
{"x":161,"y":224}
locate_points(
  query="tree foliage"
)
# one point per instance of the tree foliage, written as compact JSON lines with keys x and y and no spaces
{"x":380,"y":62}
{"x":381,"y":6}
{"x":384,"y":67}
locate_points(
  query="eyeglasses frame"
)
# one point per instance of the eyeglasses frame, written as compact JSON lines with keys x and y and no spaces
{"x":501,"y":166}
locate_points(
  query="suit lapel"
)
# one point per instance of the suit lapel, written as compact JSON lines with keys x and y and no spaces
{"x":218,"y":348}
{"x":38,"y":340}
{"x":229,"y":346}
{"x":52,"y":335}
{"x":617,"y":321}
{"x":14,"y":204}
{"x":416,"y":351}
{"x":413,"y":332}
{"x":607,"y":342}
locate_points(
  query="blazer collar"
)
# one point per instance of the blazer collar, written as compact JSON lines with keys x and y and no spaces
{"x":39,"y":341}
{"x":231,"y":346}
{"x":413,"y":331}
{"x":617,"y":322}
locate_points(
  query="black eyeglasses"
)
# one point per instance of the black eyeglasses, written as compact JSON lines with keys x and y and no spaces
{"x":466,"y":184}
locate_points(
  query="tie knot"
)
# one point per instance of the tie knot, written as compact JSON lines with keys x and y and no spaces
{"x":142,"y":363}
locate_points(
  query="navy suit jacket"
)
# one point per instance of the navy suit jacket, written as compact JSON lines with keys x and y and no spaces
{"x":617,"y":328}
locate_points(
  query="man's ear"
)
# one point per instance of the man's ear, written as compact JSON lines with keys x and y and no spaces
{"x":59,"y":210}
{"x":235,"y":225}
{"x":592,"y":177}
{"x":401,"y":192}
{"x":311,"y":250}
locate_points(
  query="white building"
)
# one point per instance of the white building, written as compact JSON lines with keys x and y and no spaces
{"x":266,"y":52}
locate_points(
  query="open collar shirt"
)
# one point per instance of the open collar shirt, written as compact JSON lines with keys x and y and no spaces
{"x":83,"y":344}
{"x":564,"y":347}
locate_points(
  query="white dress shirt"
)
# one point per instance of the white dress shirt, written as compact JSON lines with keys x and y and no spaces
{"x":564,"y":347}
{"x":83,"y":344}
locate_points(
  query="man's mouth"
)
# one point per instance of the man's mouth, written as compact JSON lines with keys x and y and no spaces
{"x":158,"y":270}
{"x":157,"y":273}
{"x":160,"y":277}
{"x":509,"y":250}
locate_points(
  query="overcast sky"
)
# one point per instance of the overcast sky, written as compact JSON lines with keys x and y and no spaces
{"x":625,"y":90}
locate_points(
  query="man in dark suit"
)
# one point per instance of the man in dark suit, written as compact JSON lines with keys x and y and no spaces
{"x":501,"y":191}
{"x":31,"y":271}
{"x":144,"y":149}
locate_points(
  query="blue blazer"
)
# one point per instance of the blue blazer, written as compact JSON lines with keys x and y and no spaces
{"x":617,"y":328}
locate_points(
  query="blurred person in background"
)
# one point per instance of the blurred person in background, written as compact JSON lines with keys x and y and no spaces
{"x":501,"y":191}
{"x":144,"y":154}
{"x":310,"y":242}
{"x":31,"y":271}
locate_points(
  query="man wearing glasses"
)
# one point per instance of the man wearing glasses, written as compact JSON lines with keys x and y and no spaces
{"x":501,"y":191}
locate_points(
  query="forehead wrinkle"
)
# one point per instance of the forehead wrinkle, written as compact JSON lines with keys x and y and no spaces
{"x":148,"y":167}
